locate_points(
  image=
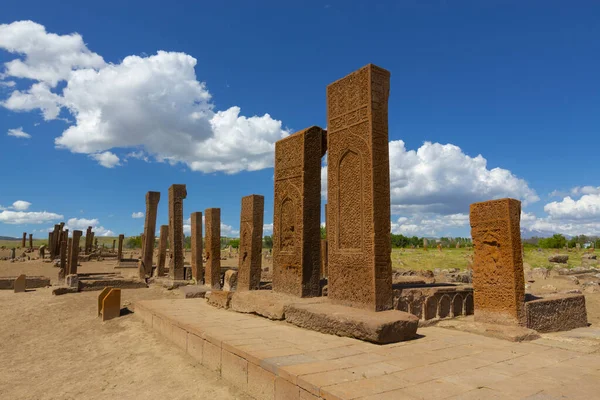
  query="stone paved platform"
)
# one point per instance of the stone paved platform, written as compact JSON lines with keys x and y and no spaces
{"x":276,"y":360}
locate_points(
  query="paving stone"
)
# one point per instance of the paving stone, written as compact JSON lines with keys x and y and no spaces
{"x":234,"y":369}
{"x":261,"y":383}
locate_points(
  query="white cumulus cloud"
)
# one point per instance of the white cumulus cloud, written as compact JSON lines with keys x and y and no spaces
{"x":587,"y":207}
{"x":154,"y":104}
{"x":19,"y":133}
{"x":27,"y":217}
{"x":106,"y":159}
{"x":83,"y":223}
{"x":138,"y":214}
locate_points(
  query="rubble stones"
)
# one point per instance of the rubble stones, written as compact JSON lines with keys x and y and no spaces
{"x":559,"y":258}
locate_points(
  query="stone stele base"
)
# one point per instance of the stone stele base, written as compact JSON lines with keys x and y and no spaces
{"x":378,"y":327}
{"x":219,"y":298}
{"x":267,"y":303}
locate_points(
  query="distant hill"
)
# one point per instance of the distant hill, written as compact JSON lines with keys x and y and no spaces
{"x":8,"y":238}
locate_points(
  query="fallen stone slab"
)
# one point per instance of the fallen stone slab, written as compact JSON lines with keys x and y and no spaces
{"x":31,"y":282}
{"x":267,"y":303}
{"x":378,"y":327}
{"x":100,"y":284}
{"x":507,"y":332}
{"x":169,"y":283}
{"x":559,"y":258}
{"x":219,"y":298}
{"x":64,"y":290}
{"x":194,"y":291}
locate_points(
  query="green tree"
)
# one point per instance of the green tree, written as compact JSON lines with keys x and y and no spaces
{"x":134,"y":242}
{"x":557,"y":241}
{"x":268,"y":242}
{"x":323,"y":232}
{"x":235,"y":243}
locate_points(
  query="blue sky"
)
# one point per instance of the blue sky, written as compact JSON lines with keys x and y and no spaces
{"x":102,"y":102}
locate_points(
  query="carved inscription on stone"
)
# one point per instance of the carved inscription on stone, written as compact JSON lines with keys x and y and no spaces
{"x":498,"y":279}
{"x":251,"y":229}
{"x":358,"y":199}
{"x":297,"y":209}
{"x":176,"y":195}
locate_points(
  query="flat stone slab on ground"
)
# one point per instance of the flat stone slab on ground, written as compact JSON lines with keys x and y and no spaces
{"x":169,"y":283}
{"x":31,"y":282}
{"x":194,"y":291}
{"x":64,"y":290}
{"x":378,"y":327}
{"x":507,"y":332}
{"x":99,"y":284}
{"x":267,"y":303}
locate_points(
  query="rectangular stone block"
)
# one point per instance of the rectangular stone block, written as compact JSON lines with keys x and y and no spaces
{"x":498,"y":280}
{"x":120,"y":248}
{"x":212,"y":220}
{"x":234,"y":369}
{"x":251,"y":231}
{"x":285,"y":390}
{"x":196,"y":233}
{"x":297,"y":211}
{"x":74,"y":252}
{"x":556,"y":313}
{"x":261,"y":383}
{"x":358,"y":193}
{"x":211,"y":357}
{"x":195,"y":347}
{"x":219,"y":298}
{"x":111,"y":304}
{"x":179,"y":337}
{"x":20,"y":284}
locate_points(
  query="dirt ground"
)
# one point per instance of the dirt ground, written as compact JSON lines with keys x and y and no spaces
{"x":55,"y":347}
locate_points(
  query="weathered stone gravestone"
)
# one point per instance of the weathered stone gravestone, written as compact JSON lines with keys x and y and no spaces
{"x":498,"y":279}
{"x":162,"y":250}
{"x":13,"y":253}
{"x":74,"y":252}
{"x":323,"y":258}
{"x":176,"y":195}
{"x":425,"y":244}
{"x":88,"y":240}
{"x":358,"y":195}
{"x":109,"y":303}
{"x":63,"y":261}
{"x":120,"y":248}
{"x":196,"y":228}
{"x":212,"y":273}
{"x":31,"y":241}
{"x":152,"y":199}
{"x":251,"y":229}
{"x":20,"y":284}
{"x":578,"y":246}
{"x":24,"y":241}
{"x":296,"y":221}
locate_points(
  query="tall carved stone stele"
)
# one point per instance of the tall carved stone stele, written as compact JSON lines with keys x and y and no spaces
{"x":120,"y":248}
{"x":162,"y":250}
{"x":498,"y":281}
{"x":196,"y":227}
{"x":152,"y":199}
{"x":212,"y":273}
{"x":24,"y":241}
{"x":297,"y":211}
{"x":31,"y":241}
{"x":74,"y":252}
{"x":88,"y":240}
{"x":251,"y":229}
{"x":358,"y":194}
{"x":176,"y":195}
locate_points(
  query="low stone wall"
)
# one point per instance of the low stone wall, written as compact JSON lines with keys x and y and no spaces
{"x":430,"y":302}
{"x":556,"y":313}
{"x":31,"y":282}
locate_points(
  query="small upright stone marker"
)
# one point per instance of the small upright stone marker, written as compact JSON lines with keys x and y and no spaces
{"x":109,"y":303}
{"x":13,"y":253}
{"x":120,"y":248}
{"x":498,"y":279}
{"x":251,"y":230}
{"x":63,"y":260}
{"x":176,"y":195}
{"x":20,"y":284}
{"x":162,"y":250}
{"x":212,"y":273}
{"x":196,"y":228}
